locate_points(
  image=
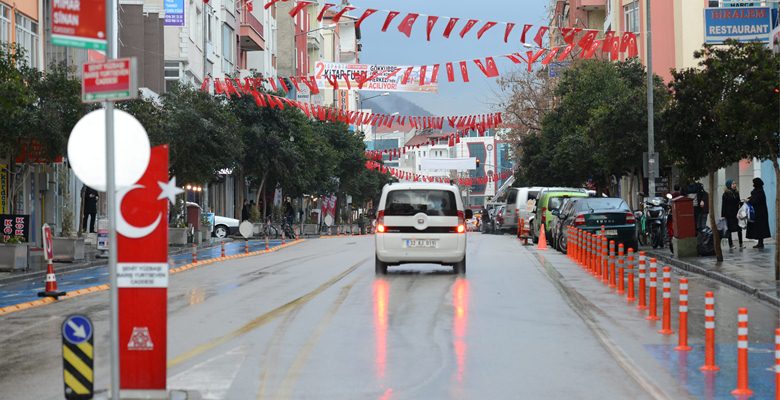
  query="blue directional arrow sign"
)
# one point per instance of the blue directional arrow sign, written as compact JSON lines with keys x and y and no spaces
{"x":77,"y":329}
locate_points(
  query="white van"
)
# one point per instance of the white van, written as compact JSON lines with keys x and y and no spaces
{"x":520,"y":203}
{"x":421,"y":223}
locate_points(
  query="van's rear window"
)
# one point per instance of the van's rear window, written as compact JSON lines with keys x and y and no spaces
{"x":430,"y":202}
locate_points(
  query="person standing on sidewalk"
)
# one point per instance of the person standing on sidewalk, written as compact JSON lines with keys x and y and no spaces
{"x":701,"y":206}
{"x":759,"y":228}
{"x":728,"y":210}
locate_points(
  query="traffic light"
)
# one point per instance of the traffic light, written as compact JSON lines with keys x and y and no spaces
{"x":477,"y":162}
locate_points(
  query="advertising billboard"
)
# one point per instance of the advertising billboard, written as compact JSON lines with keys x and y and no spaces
{"x":384,"y":78}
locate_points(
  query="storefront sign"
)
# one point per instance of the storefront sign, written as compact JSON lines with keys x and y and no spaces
{"x":384,"y":78}
{"x":15,"y":225}
{"x":142,"y":228}
{"x":3,"y":188}
{"x":174,"y":12}
{"x":79,"y":23}
{"x":109,"y":81}
{"x":745,"y":24}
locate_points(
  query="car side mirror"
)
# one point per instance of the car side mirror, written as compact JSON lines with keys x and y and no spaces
{"x":469,"y":214}
{"x":555,"y":212}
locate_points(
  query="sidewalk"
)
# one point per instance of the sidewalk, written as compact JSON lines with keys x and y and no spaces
{"x":749,"y":270}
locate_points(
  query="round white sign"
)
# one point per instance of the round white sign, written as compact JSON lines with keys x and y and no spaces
{"x":87,"y":149}
{"x":245,"y":229}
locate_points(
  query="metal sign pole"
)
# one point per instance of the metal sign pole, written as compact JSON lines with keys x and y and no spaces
{"x":111,"y":53}
{"x":650,"y":112}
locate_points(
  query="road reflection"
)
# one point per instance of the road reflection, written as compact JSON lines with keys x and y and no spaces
{"x":460,"y":299}
{"x":381,"y":298}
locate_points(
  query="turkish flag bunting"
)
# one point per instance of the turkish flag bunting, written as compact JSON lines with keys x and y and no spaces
{"x":407,"y":74}
{"x":533,"y":57}
{"x":489,"y":69}
{"x":435,"y":74}
{"x":389,"y":19}
{"x":588,"y":54}
{"x":295,"y":83}
{"x":423,"y":70}
{"x":549,"y":57}
{"x":450,"y":27}
{"x":485,"y":28}
{"x":300,"y":6}
{"x":526,"y":28}
{"x":615,"y":52}
{"x":470,"y":24}
{"x":406,"y":25}
{"x":587,"y":39}
{"x":338,"y":15}
{"x":508,"y":30}
{"x":311,"y":83}
{"x":333,"y":81}
{"x":205,"y":85}
{"x":450,"y":72}
{"x":539,"y":35}
{"x":394,"y":73}
{"x":273,"y":84}
{"x":624,"y":41}
{"x":283,"y":84}
{"x":566,"y":51}
{"x":270,"y":3}
{"x":608,"y":41}
{"x":515,"y":59}
{"x":464,"y":71}
{"x":365,"y":15}
{"x":633,"y":51}
{"x":230,"y":88}
{"x":325,"y":7}
{"x":432,"y":19}
{"x":259,"y":100}
{"x":451,"y":120}
{"x":402,"y":121}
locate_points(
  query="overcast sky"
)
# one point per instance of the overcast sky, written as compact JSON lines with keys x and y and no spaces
{"x":393,"y":47}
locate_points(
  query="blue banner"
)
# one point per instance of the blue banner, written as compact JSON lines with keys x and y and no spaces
{"x":174,"y":12}
{"x":745,"y":24}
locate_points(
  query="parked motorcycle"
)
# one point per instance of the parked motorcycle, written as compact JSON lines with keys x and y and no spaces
{"x":653,"y":221}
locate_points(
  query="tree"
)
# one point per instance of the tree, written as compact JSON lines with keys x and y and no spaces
{"x":750,"y":105}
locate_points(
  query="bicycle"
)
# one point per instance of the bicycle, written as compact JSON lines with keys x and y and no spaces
{"x":288,"y":230}
{"x":270,"y":231}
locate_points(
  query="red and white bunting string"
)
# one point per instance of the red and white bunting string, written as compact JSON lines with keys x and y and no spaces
{"x":451,"y":140}
{"x":409,"y":176}
{"x":250,"y":87}
{"x":626,"y":43}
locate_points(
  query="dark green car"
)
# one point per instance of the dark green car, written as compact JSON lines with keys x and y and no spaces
{"x":593,"y":213}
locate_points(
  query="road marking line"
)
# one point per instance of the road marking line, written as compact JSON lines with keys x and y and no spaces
{"x":99,"y":288}
{"x":263,"y":319}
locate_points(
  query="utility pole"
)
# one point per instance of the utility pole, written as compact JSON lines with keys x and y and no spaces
{"x":111,"y":53}
{"x":650,"y":112}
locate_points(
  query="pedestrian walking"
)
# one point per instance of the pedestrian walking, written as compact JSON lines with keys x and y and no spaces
{"x":90,"y":197}
{"x":245,"y":211}
{"x":730,"y":205}
{"x":701,"y":206}
{"x":758,"y":228}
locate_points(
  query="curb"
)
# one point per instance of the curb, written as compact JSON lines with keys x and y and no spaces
{"x":693,"y":268}
{"x":99,"y":288}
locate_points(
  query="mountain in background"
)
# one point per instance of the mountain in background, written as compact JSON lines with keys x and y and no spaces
{"x":392,"y":103}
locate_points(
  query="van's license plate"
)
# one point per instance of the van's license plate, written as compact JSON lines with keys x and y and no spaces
{"x":420,"y":243}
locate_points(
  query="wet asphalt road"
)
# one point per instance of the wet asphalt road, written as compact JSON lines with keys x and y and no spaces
{"x":313,"y":322}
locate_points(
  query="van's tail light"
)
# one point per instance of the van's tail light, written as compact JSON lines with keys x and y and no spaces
{"x":544,"y":215}
{"x":579,"y":220}
{"x":380,"y":222}
{"x":461,"y":222}
{"x":630,"y":219}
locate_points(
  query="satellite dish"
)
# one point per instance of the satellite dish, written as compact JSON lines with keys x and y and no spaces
{"x":245,"y":229}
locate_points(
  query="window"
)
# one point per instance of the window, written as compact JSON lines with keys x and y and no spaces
{"x":227,"y":49}
{"x":631,"y":12}
{"x":27,"y":38}
{"x":5,"y":24}
{"x":429,"y":202}
{"x":173,"y":73}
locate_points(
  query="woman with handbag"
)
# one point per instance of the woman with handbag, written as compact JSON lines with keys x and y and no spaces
{"x":729,"y":207}
{"x":758,"y":228}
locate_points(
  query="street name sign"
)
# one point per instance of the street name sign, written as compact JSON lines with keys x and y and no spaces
{"x":78,"y":357}
{"x":109,"y":80}
{"x":79,"y":23}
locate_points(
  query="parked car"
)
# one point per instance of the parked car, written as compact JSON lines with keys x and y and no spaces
{"x":551,"y":199}
{"x":221,"y":227}
{"x":590,"y":214}
{"x":421,"y":223}
{"x":554,"y":239}
{"x":520,"y":202}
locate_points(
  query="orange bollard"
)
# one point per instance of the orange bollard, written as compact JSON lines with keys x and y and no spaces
{"x":612,"y":264}
{"x":283,"y":235}
{"x":246,"y":246}
{"x":194,"y":253}
{"x":50,"y":288}
{"x":620,"y":281}
{"x":266,"y":243}
{"x":605,"y":260}
{"x":742,"y":355}
{"x":591,"y":241}
{"x":222,"y":253}
{"x":642,"y":282}
{"x":653,"y":307}
{"x":709,"y":333}
{"x":777,"y":364}
{"x":630,"y":295}
{"x":583,"y":245}
{"x":597,"y":257}
{"x":682,"y":338}
{"x":570,"y":242}
{"x":520,"y":223}
{"x":542,"y":239}
{"x":666,"y":328}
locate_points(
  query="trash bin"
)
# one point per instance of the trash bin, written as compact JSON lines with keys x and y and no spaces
{"x":684,"y":243}
{"x":193,"y":216}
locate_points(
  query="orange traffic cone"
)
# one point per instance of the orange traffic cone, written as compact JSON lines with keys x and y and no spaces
{"x":542,"y":239}
{"x":51,"y":284}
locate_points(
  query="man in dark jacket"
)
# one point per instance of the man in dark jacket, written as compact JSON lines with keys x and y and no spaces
{"x":90,"y":209}
{"x":729,"y":207}
{"x":759,"y":228}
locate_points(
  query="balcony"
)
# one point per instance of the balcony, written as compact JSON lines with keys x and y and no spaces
{"x":592,"y":5}
{"x":314,"y":40}
{"x":251,"y":33}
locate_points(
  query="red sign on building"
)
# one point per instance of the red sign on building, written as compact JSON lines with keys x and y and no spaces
{"x":109,"y":80}
{"x":79,"y":23}
{"x":142,"y":278}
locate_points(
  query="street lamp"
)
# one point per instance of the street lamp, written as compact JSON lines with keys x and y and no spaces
{"x":379,"y":95}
